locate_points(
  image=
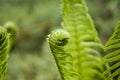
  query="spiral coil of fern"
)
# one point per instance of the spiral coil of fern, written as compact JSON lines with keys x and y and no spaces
{"x":112,"y":47}
{"x":58,"y":39}
{"x":11,"y":30}
{"x":4,"y":38}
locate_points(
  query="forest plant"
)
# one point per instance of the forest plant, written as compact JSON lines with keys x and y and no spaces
{"x":112,"y":48}
{"x":11,"y":30}
{"x":5,"y":46}
{"x":78,"y":50}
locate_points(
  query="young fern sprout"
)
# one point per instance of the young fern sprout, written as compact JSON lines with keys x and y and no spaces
{"x":80,"y":58}
{"x":11,"y":30}
{"x":77,"y":49}
{"x":58,"y":40}
{"x":7,"y":35}
{"x":4,"y":47}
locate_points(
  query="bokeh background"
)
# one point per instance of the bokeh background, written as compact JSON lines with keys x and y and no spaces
{"x":30,"y":57}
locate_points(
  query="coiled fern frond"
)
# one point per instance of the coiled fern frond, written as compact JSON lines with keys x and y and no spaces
{"x":112,"y":47}
{"x":11,"y":30}
{"x":58,"y":40}
{"x":7,"y":35}
{"x":80,"y":58}
{"x":4,"y":47}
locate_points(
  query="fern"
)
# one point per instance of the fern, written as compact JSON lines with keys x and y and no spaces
{"x":7,"y":35}
{"x":4,"y":46}
{"x":112,"y":47}
{"x":80,"y":58}
{"x":84,"y":37}
{"x":77,"y":49}
{"x":11,"y":30}
{"x":58,"y":40}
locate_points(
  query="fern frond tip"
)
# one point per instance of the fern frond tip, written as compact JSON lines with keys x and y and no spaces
{"x":59,"y":37}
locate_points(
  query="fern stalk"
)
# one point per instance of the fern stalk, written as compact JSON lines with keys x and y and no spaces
{"x":4,"y":47}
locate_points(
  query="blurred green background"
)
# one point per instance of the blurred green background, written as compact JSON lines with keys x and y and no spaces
{"x":30,"y":57}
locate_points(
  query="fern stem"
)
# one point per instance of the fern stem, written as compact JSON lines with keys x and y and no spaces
{"x":3,"y":53}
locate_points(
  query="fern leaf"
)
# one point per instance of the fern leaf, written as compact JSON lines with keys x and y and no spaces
{"x":112,"y":47}
{"x":84,"y":42}
{"x":3,"y":53}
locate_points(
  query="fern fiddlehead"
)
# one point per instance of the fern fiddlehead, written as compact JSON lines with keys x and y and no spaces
{"x":112,"y":47}
{"x":4,"y":38}
{"x":11,"y":30}
{"x":58,"y":40}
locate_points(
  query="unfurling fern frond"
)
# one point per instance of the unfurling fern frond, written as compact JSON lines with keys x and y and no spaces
{"x":112,"y":47}
{"x":58,"y":40}
{"x":11,"y":30}
{"x":4,"y":38}
{"x":81,"y":56}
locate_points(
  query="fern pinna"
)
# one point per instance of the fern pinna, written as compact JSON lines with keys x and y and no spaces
{"x":77,"y":56}
{"x":112,"y":48}
{"x":4,"y":47}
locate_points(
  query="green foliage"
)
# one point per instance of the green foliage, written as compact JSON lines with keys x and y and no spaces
{"x":11,"y":30}
{"x":7,"y":35}
{"x":112,"y":47}
{"x":36,"y":17}
{"x":4,"y":46}
{"x":81,"y":53}
{"x":57,"y":40}
{"x":77,"y":51}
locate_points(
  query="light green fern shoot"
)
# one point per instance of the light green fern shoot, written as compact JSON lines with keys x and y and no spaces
{"x":58,"y":40}
{"x":82,"y":48}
